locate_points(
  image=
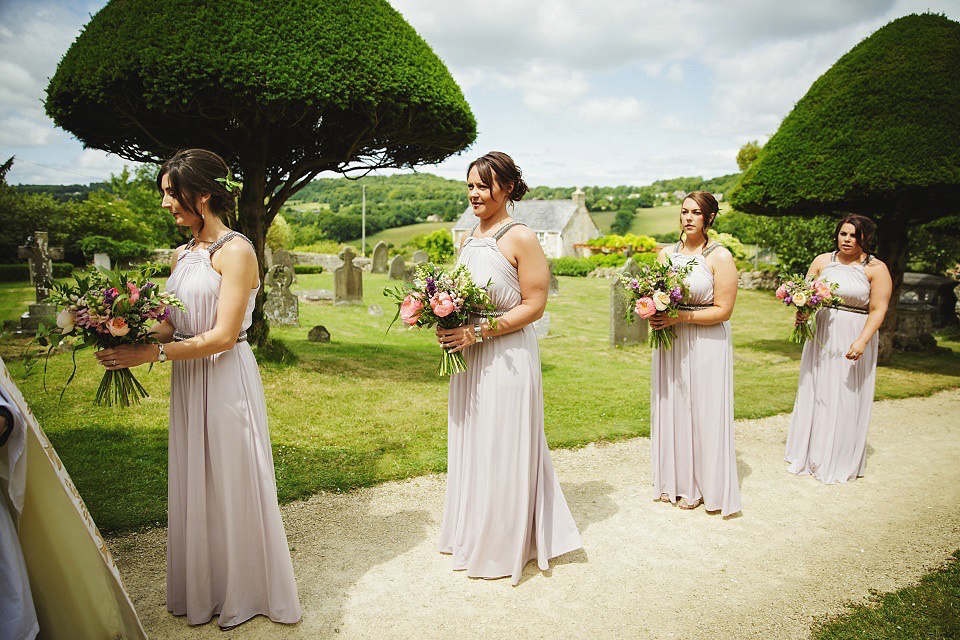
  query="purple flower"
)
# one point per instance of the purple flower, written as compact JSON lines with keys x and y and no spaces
{"x":676,"y":295}
{"x":788,"y":300}
{"x":431,"y":286}
{"x":109,"y":295}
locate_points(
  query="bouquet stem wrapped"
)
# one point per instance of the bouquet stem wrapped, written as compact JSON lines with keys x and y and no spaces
{"x":443,"y":299}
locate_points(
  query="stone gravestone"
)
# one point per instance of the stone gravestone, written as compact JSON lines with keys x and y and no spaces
{"x":285,"y":258}
{"x":319,"y":334}
{"x":39,"y":254}
{"x":375,"y":310}
{"x":348,"y":280}
{"x":542,"y":326}
{"x":420,"y":257}
{"x":379,"y":259}
{"x":625,"y":330}
{"x":398,"y":268}
{"x":554,"y":284}
{"x":101,"y":260}
{"x":282,"y":307}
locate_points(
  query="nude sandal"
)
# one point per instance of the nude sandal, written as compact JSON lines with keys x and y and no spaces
{"x":687,"y":506}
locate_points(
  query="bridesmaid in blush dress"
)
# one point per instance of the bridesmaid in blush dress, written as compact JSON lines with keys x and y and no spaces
{"x":227,"y":552}
{"x":504,"y":506}
{"x":828,"y":428}
{"x":691,"y":392}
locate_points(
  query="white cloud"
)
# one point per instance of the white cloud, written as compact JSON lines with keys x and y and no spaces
{"x":611,"y":110}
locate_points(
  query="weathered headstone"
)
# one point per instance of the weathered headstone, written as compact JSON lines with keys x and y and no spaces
{"x":319,"y":334}
{"x":348,"y":280}
{"x":101,"y":260}
{"x":282,"y":307}
{"x":379,"y":258}
{"x":285,"y":258}
{"x":542,"y":326}
{"x":315,"y":295}
{"x":554,"y":284}
{"x":38,"y":252}
{"x":420,"y":257}
{"x":375,"y":310}
{"x":398,"y":268}
{"x":625,"y":329}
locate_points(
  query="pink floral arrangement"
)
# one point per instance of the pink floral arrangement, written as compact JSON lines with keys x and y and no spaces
{"x":106,"y":309}
{"x":658,"y":288}
{"x":444,"y":299}
{"x":808,"y":296}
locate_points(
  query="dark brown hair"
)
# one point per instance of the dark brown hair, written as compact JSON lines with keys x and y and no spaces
{"x":708,"y":207}
{"x":499,"y":164}
{"x":195,"y":172}
{"x":865,"y":227}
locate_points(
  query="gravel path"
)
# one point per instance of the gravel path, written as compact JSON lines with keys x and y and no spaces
{"x":367,"y":566}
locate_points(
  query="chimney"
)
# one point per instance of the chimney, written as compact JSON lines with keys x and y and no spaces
{"x":580,"y":198}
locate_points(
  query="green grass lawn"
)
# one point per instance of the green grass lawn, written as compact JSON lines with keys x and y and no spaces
{"x":929,"y":610}
{"x":368,"y":407}
{"x":663,"y":219}
{"x":401,"y":235}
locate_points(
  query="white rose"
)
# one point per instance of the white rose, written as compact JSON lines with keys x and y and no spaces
{"x":661,"y":300}
{"x":800,"y":299}
{"x":65,"y":320}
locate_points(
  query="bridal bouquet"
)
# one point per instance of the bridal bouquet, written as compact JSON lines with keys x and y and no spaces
{"x":105,"y":309}
{"x":808,"y":296}
{"x":659,"y":288}
{"x":443,"y":299}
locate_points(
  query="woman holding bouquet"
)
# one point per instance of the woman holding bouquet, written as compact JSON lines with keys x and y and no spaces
{"x":227,"y":551}
{"x":691,"y":393}
{"x":828,"y":428}
{"x":504,"y":506}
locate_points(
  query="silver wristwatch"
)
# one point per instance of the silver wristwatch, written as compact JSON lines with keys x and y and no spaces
{"x":478,"y":332}
{"x":161,"y":357}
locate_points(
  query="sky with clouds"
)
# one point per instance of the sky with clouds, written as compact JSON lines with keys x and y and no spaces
{"x":579,"y":92}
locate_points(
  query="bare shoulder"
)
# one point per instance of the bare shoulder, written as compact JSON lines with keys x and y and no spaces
{"x":237,"y":251}
{"x":721,"y":256}
{"x":876,"y":267}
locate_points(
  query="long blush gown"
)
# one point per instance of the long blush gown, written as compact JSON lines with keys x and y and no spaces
{"x":691,"y":406}
{"x":227,"y":551}
{"x":504,"y":506}
{"x":828,"y":428}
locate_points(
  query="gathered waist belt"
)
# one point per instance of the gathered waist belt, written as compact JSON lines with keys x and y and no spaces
{"x":852,"y":309}
{"x":693,"y":307}
{"x":179,"y":336}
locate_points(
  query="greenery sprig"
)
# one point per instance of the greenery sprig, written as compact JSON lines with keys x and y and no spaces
{"x":230,"y":184}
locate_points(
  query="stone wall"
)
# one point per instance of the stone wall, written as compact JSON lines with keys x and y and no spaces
{"x":758,"y":280}
{"x":328,"y":261}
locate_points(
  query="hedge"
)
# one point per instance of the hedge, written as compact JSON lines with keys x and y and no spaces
{"x":21,"y":272}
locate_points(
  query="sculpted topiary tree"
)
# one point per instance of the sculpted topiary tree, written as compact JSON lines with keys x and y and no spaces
{"x":876,"y":134}
{"x":282,"y":89}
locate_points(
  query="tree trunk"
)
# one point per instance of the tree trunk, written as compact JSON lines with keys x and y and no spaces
{"x":253,"y":223}
{"x":893,"y":247}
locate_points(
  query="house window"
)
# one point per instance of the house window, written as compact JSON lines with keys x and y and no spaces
{"x":542,"y":237}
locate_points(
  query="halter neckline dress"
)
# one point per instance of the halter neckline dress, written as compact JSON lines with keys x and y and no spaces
{"x":504,"y":505}
{"x":227,"y":550}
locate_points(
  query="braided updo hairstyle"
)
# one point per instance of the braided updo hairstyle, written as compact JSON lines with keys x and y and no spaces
{"x":195,"y":172}
{"x":507,"y":174}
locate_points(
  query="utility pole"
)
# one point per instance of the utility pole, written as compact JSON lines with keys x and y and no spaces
{"x":363,"y":221}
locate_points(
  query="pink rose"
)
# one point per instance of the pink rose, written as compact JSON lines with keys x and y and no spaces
{"x":645,"y":307}
{"x":410,"y":309}
{"x":118,"y":327}
{"x":134,"y":292}
{"x":781,"y":292}
{"x":442,"y":304}
{"x":822,"y":288}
